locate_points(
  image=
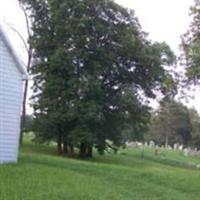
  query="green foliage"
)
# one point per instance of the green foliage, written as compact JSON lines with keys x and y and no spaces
{"x":191,"y":45}
{"x":175,"y":123}
{"x":195,"y":121}
{"x":92,"y":62}
{"x":171,"y":124}
{"x":29,"y":121}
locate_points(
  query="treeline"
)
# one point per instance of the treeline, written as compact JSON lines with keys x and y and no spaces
{"x":173,"y":123}
{"x":93,"y":67}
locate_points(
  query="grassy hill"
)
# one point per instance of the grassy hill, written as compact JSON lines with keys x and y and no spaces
{"x":41,"y":175}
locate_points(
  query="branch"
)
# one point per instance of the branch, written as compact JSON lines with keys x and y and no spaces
{"x":20,"y":36}
{"x":27,"y":46}
{"x":28,"y":28}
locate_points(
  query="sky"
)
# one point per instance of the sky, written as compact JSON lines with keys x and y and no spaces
{"x":164,"y":20}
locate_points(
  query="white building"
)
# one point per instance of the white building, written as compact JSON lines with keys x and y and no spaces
{"x":12,"y":75}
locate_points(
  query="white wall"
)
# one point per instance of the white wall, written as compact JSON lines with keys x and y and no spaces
{"x":10,"y":106}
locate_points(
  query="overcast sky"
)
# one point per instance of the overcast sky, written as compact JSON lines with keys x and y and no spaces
{"x":164,"y":20}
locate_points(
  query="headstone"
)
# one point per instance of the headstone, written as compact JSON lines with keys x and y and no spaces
{"x":175,"y":146}
{"x":185,"y":151}
{"x":139,"y":144}
{"x":180,"y":147}
{"x":151,"y":143}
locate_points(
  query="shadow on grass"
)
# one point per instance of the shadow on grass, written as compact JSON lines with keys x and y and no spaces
{"x":125,"y":159}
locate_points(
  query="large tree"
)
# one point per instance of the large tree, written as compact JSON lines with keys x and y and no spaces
{"x":92,"y":67}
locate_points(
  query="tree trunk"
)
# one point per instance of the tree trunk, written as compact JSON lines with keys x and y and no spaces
{"x":89,"y":152}
{"x":23,"y":118}
{"x":59,"y":146}
{"x":82,"y":153}
{"x":166,"y":141}
{"x":68,"y":149}
{"x":71,"y":150}
{"x":65,"y":148}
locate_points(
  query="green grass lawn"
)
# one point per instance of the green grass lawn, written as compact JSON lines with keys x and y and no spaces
{"x":41,"y":175}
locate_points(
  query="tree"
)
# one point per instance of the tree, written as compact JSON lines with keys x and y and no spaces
{"x":171,"y":124}
{"x":92,"y":63}
{"x":191,"y":60}
{"x":195,"y":121}
{"x":29,"y":51}
{"x":191,"y":45}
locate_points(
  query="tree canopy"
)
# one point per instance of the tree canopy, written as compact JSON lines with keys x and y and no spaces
{"x":191,"y":45}
{"x":171,"y":124}
{"x":195,"y":122}
{"x":93,"y":66}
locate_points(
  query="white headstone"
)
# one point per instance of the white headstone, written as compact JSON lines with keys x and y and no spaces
{"x":185,"y":151}
{"x":151,"y":143}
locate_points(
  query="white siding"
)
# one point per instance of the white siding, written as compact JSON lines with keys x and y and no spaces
{"x":10,"y":106}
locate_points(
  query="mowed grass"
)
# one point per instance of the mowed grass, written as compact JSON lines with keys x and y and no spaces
{"x":41,"y":175}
